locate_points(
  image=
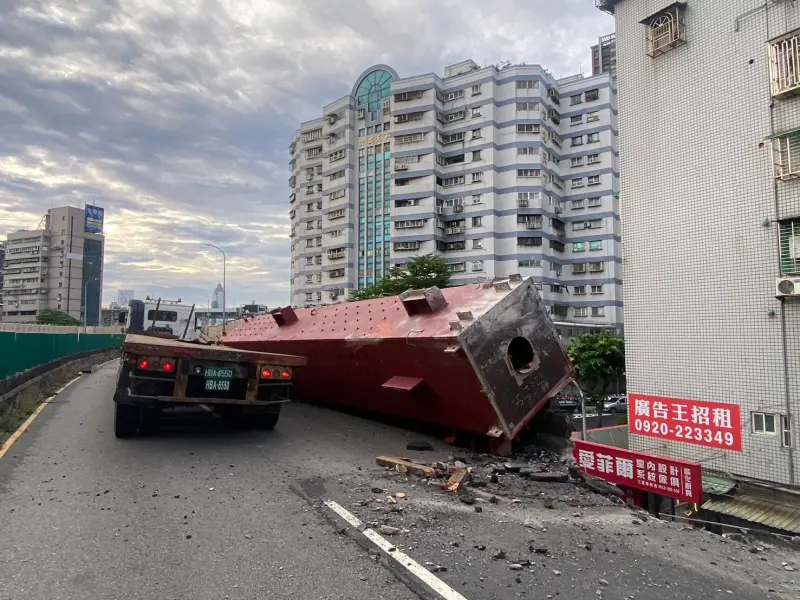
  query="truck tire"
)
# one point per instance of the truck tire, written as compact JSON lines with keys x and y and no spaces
{"x":126,"y":420}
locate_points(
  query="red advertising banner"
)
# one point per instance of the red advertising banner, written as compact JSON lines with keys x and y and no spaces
{"x":711,"y":424}
{"x":666,"y":476}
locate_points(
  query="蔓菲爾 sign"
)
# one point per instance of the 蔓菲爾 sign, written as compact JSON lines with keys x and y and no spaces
{"x":711,"y":424}
{"x":666,"y":476}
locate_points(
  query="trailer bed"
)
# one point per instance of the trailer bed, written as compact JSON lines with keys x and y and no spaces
{"x":158,"y":346}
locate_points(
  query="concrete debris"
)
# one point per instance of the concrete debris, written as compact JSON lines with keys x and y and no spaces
{"x":515,"y":567}
{"x":389,"y":530}
{"x":603,"y":582}
{"x":400,"y":495}
{"x":499,"y":555}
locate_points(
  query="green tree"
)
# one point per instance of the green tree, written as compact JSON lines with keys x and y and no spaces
{"x":421,"y":272}
{"x":599,"y":360}
{"x":50,"y":316}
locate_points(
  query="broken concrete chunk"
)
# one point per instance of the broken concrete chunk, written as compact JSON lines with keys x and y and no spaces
{"x":389,"y":530}
{"x":553,"y":477}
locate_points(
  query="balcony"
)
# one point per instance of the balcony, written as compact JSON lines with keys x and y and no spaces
{"x":455,"y":230}
{"x":522,"y":203}
{"x":533,"y":224}
{"x":401,"y":167}
{"x":336,"y":254}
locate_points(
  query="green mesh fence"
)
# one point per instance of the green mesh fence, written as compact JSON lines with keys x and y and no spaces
{"x":22,"y":351}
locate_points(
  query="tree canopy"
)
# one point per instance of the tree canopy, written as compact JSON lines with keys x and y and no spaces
{"x":599,"y":360}
{"x":50,"y":316}
{"x":419,"y":273}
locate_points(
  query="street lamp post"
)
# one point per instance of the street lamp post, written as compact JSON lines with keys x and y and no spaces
{"x":85,"y":299}
{"x":224,"y":285}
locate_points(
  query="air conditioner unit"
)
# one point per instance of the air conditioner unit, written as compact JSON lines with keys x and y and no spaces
{"x":458,"y":208}
{"x":787,"y":287}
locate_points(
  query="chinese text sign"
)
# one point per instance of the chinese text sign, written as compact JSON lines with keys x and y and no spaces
{"x":666,"y":476}
{"x":711,"y":424}
{"x":93,"y":222}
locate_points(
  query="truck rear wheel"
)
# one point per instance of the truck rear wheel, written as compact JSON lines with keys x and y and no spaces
{"x":126,"y":420}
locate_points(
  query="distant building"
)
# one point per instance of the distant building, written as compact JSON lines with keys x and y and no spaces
{"x":218,"y":297}
{"x":114,"y":315}
{"x":58,"y":266}
{"x":500,"y":170}
{"x":604,"y":55}
{"x":124,"y":297}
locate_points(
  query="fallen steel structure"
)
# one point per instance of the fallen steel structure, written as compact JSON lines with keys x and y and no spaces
{"x":481,"y":358}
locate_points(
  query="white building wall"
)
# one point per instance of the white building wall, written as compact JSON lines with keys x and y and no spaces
{"x":701,"y":251}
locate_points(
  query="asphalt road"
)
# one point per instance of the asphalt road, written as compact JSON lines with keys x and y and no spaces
{"x":204,"y":512}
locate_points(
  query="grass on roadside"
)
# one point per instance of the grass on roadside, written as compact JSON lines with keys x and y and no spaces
{"x":13,"y":418}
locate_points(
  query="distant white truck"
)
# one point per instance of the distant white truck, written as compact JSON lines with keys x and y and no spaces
{"x":171,"y":317}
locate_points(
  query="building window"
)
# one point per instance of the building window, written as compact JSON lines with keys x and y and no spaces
{"x":580,"y":290}
{"x":577,"y":204}
{"x":579,"y":247}
{"x":477,"y":198}
{"x":593,"y":159}
{"x":476,"y":155}
{"x":526,"y":106}
{"x":477,"y":221}
{"x":592,"y":95}
{"x":337,"y":175}
{"x":596,"y":245}
{"x":666,"y":31}
{"x":785,"y":64}
{"x":786,"y":431}
{"x":789,"y":240}
{"x":477,"y":265}
{"x":592,"y":138}
{"x":555,"y":289}
{"x":763,"y":423}
{"x":527,"y":151}
{"x":579,"y":267}
{"x":593,"y":180}
{"x":476,"y":134}
{"x":528,"y":263}
{"x":594,"y":202}
{"x":527,"y":85}
{"x":528,"y":128}
{"x":579,"y":311}
{"x":476,"y":112}
{"x":529,"y":241}
{"x":476,"y":89}
{"x":457,"y":267}
{"x":477,"y":177}
{"x":577,"y":99}
{"x":577,"y":120}
{"x":577,"y":141}
{"x":597,"y":311}
{"x":592,"y":116}
{"x":309,"y":279}
{"x":529,"y":172}
{"x":577,"y":161}
{"x":596,"y":267}
{"x":597,"y":289}
{"x":576,"y":183}
{"x":786,"y":156}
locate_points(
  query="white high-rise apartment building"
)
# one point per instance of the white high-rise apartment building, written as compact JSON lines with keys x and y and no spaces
{"x":500,"y":170}
{"x":709,"y":105}
{"x":57,"y":266}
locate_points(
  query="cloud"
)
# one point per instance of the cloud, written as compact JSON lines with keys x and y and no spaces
{"x":176,"y":116}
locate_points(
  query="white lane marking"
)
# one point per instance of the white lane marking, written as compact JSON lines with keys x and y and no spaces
{"x":413,"y":567}
{"x":345,"y":514}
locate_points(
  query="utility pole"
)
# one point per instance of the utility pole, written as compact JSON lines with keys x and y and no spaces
{"x":224,"y":286}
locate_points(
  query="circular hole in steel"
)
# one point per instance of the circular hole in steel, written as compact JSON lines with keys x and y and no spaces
{"x":520,"y":354}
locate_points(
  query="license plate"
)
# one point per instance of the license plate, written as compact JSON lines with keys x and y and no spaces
{"x":218,"y":379}
{"x":218,"y":385}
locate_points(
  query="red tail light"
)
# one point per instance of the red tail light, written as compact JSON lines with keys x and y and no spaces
{"x":168,"y":366}
{"x":143,"y":364}
{"x":286,"y":374}
{"x":266,"y":373}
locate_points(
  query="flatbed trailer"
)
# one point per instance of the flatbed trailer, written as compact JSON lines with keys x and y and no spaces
{"x":158,"y":372}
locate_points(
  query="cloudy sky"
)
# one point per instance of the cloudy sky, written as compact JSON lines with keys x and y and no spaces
{"x":176,"y":116}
